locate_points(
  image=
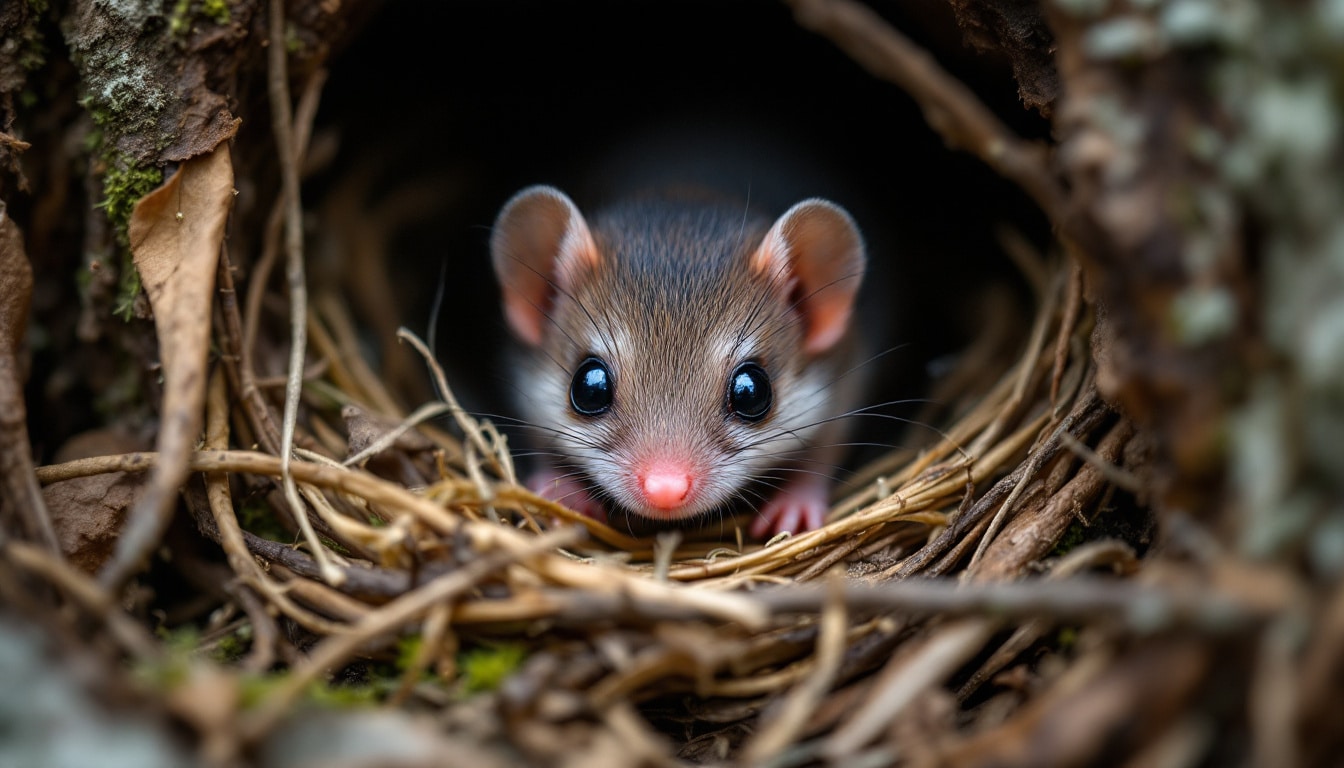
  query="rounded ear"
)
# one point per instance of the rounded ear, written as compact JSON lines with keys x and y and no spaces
{"x":817,"y":248}
{"x":539,"y":245}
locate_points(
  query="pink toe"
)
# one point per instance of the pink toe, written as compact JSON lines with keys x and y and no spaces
{"x":797,"y":508}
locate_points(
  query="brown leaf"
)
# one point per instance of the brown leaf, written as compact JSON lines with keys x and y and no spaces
{"x":87,"y":513}
{"x":16,"y":285}
{"x":365,"y":428}
{"x":176,"y":233}
{"x":16,"y":459}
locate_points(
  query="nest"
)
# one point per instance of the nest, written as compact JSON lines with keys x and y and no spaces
{"x":985,"y":596}
{"x":706,"y":647}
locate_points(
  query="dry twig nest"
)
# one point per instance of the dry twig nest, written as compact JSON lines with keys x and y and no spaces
{"x":985,"y":597}
{"x":737,"y":648}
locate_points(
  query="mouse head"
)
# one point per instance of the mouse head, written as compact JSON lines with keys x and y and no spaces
{"x":681,"y":349}
{"x":541,"y":246}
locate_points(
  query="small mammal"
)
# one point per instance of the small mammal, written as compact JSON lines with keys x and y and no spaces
{"x":680,"y":355}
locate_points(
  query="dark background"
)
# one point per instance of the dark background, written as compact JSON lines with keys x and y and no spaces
{"x":478,"y":99}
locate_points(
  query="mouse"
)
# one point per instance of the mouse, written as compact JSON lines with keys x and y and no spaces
{"x":681,"y":354}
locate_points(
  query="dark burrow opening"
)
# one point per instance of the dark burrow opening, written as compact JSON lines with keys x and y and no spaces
{"x":454,"y":107}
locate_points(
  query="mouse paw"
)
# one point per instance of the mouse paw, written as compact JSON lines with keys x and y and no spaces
{"x":566,"y":490}
{"x":798,"y":507}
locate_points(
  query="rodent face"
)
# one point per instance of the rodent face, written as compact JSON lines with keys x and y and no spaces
{"x":703,"y":379}
{"x":679,"y":348}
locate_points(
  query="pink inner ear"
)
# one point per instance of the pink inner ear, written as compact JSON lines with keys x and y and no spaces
{"x":540,"y":241}
{"x":524,"y":316}
{"x":827,"y":325}
{"x":817,"y":244}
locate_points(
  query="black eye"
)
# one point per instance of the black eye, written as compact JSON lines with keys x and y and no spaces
{"x":590,"y":391}
{"x":749,"y":392}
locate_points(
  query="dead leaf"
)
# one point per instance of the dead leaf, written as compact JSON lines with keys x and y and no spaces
{"x":16,"y":285}
{"x":176,"y":234}
{"x":88,"y":512}
{"x":16,"y":458}
{"x":365,"y":428}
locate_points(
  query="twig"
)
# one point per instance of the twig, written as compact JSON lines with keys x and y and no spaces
{"x":837,"y":553}
{"x":1139,"y":609}
{"x":474,"y":431}
{"x":1113,"y":473}
{"x":1082,"y":418}
{"x":237,"y":361}
{"x":282,"y":123}
{"x":968,"y":520}
{"x":950,"y":108}
{"x":1028,"y":260}
{"x":386,"y":620}
{"x":265,"y":637}
{"x":905,"y":678}
{"x":22,"y":494}
{"x":1026,"y":372}
{"x":333,"y":331}
{"x":1087,"y":556}
{"x":1274,"y":694}
{"x":231,"y":537}
{"x":1073,"y":305}
{"x":270,"y":251}
{"x":87,"y":593}
{"x":790,"y":717}
{"x":373,"y":489}
{"x":431,"y":645}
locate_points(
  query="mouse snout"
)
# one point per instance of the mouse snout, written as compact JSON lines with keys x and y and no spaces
{"x":664,"y":485}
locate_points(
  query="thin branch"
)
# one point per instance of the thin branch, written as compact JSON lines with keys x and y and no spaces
{"x":950,"y":108}
{"x":1116,"y":475}
{"x":86,"y":593}
{"x":791,"y":716}
{"x":283,"y":126}
{"x":388,"y":619}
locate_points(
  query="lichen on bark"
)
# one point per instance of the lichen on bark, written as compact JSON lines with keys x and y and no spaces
{"x":148,"y":98}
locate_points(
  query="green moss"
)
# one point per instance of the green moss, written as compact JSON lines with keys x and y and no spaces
{"x":257,"y":688}
{"x":217,"y":11}
{"x":1066,"y":638}
{"x":124,"y":183}
{"x":342,"y":696}
{"x":128,"y":289}
{"x":179,"y":21}
{"x":33,"y":54}
{"x":32,"y":49}
{"x":484,"y":669}
{"x":172,"y":669}
{"x":407,"y":648}
{"x":334,"y":546}
{"x":256,"y":517}
{"x":1075,"y":535}
{"x":231,"y":647}
{"x":293,"y":43}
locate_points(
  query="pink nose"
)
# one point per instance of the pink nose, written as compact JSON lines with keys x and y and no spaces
{"x":666,"y":487}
